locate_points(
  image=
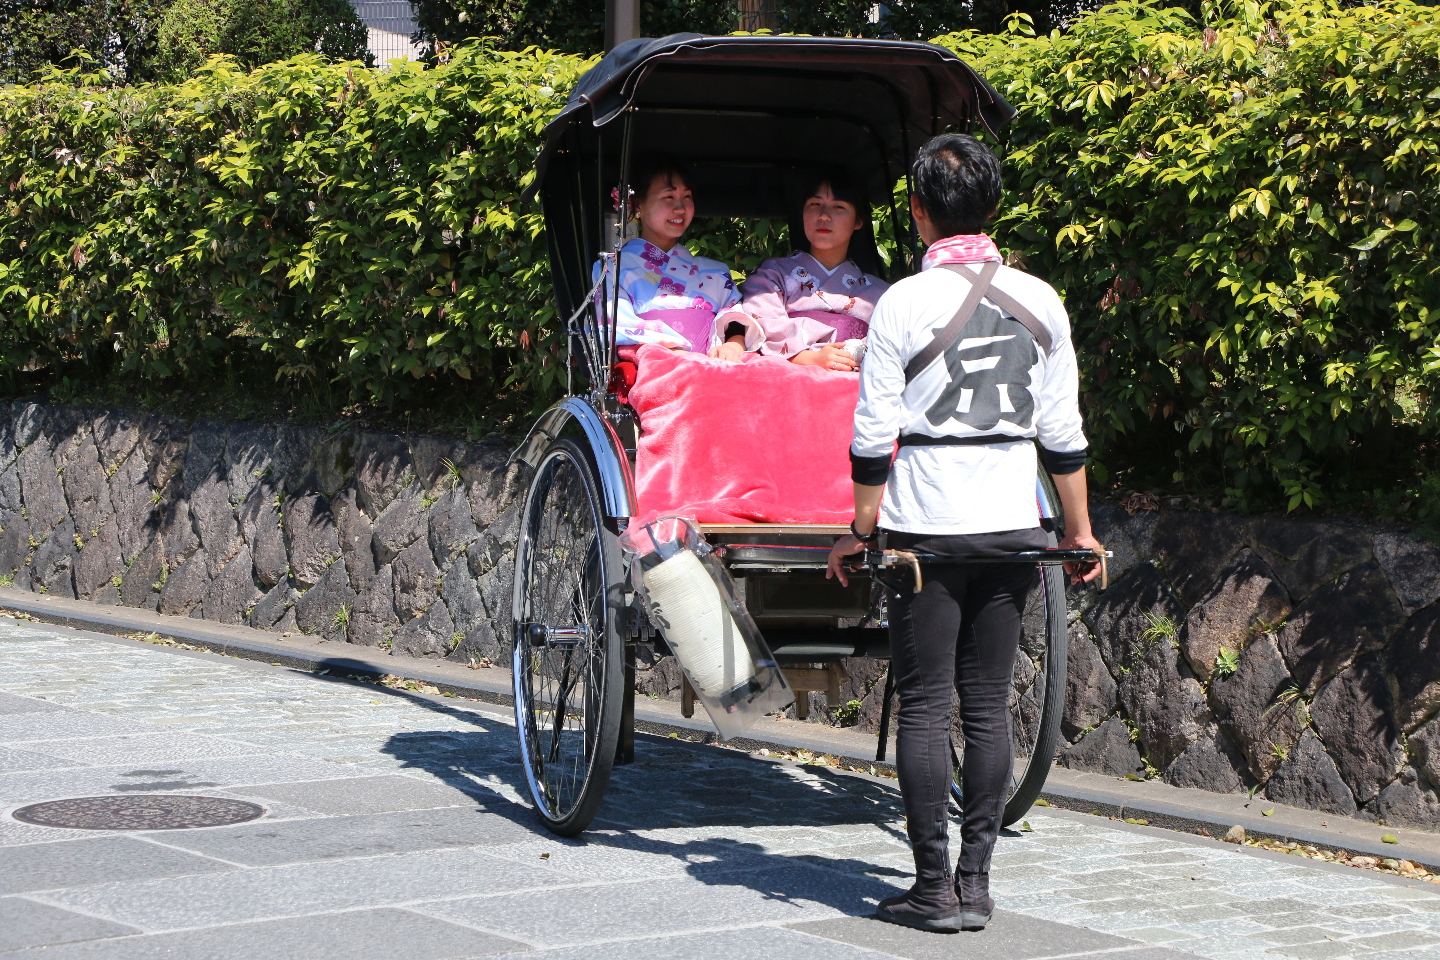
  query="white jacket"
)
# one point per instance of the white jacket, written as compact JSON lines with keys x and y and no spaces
{"x":994,"y":381}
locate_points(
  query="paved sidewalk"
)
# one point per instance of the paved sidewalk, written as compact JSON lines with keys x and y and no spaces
{"x":397,"y":828}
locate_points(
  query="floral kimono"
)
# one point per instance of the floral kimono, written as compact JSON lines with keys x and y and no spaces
{"x":793,"y":304}
{"x":670,"y":298}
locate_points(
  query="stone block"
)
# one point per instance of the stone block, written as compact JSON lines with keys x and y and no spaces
{"x":1306,"y":553}
{"x":213,"y":517}
{"x":1408,"y":802}
{"x":1254,"y":707}
{"x":1414,"y":660}
{"x":27,"y":416}
{"x":1413,"y":566}
{"x":662,"y":676}
{"x":372,"y":617}
{"x":1352,"y":716}
{"x":185,"y":585}
{"x":164,"y":443}
{"x":14,"y":542}
{"x":1090,"y":691}
{"x":1246,"y":598}
{"x":133,"y":499}
{"x":1210,"y":763}
{"x":171,"y":523}
{"x":482,"y":643}
{"x":271,"y":608}
{"x":492,"y":484}
{"x":202,"y":454}
{"x":383,"y":468}
{"x":51,"y":567}
{"x":325,"y":608}
{"x":1195,"y":547}
{"x":1308,"y":778}
{"x":291,"y":466}
{"x":246,"y":460}
{"x":333,"y":462}
{"x":116,"y":434}
{"x":261,"y":529}
{"x":1165,"y":701}
{"x":1111,"y":526}
{"x":86,"y":488}
{"x":40,"y":487}
{"x":400,"y":525}
{"x":431,"y":635}
{"x":355,"y":532}
{"x":462,"y":598}
{"x":428,"y":455}
{"x":98,"y":561}
{"x":416,"y":580}
{"x":495,"y":543}
{"x":451,"y":527}
{"x":311,"y":540}
{"x":1338,"y":622}
{"x":233,"y":593}
{"x":1129,"y":613}
{"x":137,"y":582}
{"x":1106,"y":749}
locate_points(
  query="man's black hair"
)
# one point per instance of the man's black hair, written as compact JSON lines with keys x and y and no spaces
{"x":645,"y":171}
{"x":957,"y":180}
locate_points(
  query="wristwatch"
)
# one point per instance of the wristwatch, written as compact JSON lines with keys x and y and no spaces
{"x":864,"y":537}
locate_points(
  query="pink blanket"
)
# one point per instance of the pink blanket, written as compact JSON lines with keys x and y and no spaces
{"x":765,"y":441}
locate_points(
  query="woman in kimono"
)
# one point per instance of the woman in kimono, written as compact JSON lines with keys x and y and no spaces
{"x":814,"y":306}
{"x":668,"y":296}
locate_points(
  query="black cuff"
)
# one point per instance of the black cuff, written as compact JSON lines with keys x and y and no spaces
{"x":869,"y":471}
{"x":1060,"y":464}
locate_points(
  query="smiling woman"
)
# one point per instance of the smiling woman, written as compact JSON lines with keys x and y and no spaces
{"x":668,"y":296}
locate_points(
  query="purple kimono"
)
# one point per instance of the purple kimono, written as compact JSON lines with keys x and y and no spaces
{"x":792,"y":304}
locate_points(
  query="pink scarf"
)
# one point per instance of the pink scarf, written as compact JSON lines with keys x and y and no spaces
{"x":964,"y":248}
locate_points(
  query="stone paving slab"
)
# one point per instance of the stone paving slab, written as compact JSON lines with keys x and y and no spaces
{"x":398,"y":826}
{"x":25,"y":923}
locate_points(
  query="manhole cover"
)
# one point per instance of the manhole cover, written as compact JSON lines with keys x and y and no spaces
{"x":138,"y":813}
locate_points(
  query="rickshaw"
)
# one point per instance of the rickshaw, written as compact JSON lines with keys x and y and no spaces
{"x":739,"y":111}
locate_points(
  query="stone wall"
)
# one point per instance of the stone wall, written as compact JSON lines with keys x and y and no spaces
{"x":1298,"y":657}
{"x":402,"y":543}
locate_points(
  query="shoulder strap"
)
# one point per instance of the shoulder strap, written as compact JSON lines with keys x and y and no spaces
{"x":1011,"y":306}
{"x":952,"y":330}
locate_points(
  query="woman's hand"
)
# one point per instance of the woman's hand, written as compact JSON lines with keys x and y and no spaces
{"x":830,"y":356}
{"x":846,"y":546}
{"x":1081,"y":573}
{"x":732,"y":350}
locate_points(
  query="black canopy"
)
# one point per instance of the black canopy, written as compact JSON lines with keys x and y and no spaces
{"x":745,"y":113}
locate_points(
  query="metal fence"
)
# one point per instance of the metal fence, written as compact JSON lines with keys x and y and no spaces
{"x":390,"y":24}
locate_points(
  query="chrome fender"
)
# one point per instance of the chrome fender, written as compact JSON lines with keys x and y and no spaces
{"x":573,"y":415}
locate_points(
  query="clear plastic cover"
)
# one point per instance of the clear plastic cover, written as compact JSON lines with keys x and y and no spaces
{"x":692,"y":600}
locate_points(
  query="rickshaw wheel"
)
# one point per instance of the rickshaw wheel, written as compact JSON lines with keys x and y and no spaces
{"x":1027,"y":782}
{"x":567,"y":658}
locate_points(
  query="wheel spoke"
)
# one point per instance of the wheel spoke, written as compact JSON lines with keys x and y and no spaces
{"x":562,"y":588}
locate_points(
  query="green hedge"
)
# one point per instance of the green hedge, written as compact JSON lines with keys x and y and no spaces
{"x":1241,"y":217}
{"x":332,"y":222}
{"x":1242,"y":220}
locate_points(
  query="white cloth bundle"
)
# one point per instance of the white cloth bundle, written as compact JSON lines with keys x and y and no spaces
{"x":856,"y":348}
{"x":698,"y":625}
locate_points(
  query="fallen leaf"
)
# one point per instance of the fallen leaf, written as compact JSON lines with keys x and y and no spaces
{"x":1389,"y":838}
{"x":1266,"y":813}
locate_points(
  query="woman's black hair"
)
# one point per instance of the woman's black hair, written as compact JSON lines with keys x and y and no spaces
{"x":862,"y":245}
{"x":957,"y":180}
{"x":647,"y":168}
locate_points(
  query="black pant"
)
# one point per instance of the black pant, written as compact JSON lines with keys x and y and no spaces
{"x":959,"y":633}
